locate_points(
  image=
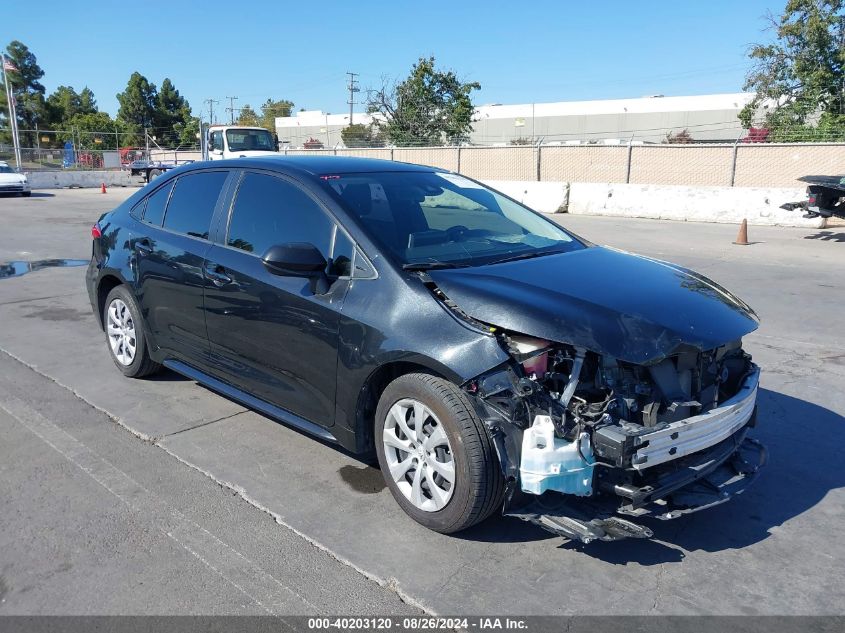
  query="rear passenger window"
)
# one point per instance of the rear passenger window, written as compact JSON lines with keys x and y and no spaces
{"x":269,"y":211}
{"x":192,"y":203}
{"x":155,"y":205}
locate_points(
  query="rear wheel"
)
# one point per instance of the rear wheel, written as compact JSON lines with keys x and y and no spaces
{"x":125,"y":335}
{"x":435,"y":454}
{"x":26,"y":194}
{"x":154,"y":173}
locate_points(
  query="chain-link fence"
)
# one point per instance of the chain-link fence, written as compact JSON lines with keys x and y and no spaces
{"x":725,"y":165}
{"x":740,"y":164}
{"x":82,"y":149}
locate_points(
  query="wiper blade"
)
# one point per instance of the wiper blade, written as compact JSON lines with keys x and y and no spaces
{"x":431,"y":265}
{"x":514,"y":258}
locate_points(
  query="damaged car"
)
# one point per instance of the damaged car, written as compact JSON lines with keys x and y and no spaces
{"x":492,"y":361}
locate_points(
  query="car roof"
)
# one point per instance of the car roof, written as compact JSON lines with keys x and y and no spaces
{"x":315,"y":165}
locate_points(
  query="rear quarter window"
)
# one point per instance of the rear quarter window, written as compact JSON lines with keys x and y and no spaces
{"x":155,"y":203}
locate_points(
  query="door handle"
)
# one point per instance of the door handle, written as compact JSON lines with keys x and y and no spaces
{"x":217,"y":274}
{"x":143,"y":247}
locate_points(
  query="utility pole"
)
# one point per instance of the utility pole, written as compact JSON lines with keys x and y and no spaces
{"x":353,"y":88}
{"x":231,"y":109}
{"x":211,"y":103}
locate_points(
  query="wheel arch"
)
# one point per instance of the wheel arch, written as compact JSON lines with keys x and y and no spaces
{"x":374,"y":386}
{"x":105,"y":285}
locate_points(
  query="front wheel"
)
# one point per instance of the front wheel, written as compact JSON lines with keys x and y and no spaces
{"x":435,"y":454}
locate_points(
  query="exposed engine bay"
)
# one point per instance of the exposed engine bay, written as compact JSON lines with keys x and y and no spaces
{"x":586,"y":441}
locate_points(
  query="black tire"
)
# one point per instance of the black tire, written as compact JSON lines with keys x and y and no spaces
{"x":479,"y":484}
{"x":26,"y":194}
{"x":142,"y":365}
{"x":154,"y":173}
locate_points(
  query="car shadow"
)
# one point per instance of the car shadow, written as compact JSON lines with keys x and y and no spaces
{"x":790,"y":484}
{"x":166,"y":375}
{"x":826,"y":236}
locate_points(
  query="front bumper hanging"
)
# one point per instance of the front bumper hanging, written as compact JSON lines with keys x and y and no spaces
{"x":714,"y":478}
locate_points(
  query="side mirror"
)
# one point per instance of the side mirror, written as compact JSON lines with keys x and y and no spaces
{"x":298,"y":259}
{"x":217,"y":152}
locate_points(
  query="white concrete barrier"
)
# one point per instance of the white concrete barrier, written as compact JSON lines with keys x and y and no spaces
{"x":546,"y":197}
{"x":759,"y":205}
{"x":73,"y":178}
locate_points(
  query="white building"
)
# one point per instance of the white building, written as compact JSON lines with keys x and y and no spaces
{"x":708,"y":118}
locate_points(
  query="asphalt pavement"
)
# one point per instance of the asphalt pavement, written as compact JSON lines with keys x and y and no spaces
{"x":159,"y":496}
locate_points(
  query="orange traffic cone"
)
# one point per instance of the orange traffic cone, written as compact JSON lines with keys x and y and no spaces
{"x":742,"y":236}
{"x":103,"y":188}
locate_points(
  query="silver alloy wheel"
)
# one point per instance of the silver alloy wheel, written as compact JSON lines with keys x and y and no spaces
{"x":419,"y":455}
{"x":120,"y":329}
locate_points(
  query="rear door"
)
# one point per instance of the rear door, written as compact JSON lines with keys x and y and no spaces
{"x":272,"y":336}
{"x":169,"y":253}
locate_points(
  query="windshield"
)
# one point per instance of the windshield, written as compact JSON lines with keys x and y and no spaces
{"x":250,"y":140}
{"x":429,"y":220}
{"x":5,"y":169}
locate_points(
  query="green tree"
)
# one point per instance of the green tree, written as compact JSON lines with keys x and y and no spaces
{"x":172,"y":115}
{"x":360,"y":135}
{"x":800,"y":75}
{"x":87,"y":102}
{"x":248,"y":116}
{"x":95,"y":130}
{"x":428,"y":108}
{"x":272,"y":109}
{"x":28,"y":92}
{"x":186,"y":131}
{"x":65,"y":103}
{"x":138,"y":106}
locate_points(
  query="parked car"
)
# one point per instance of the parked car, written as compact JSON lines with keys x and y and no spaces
{"x":490,"y":359}
{"x":12,"y":181}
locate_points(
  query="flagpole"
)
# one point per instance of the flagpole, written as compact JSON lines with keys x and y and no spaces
{"x":13,"y":115}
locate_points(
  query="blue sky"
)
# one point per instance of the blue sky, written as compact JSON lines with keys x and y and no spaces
{"x":519,"y":52}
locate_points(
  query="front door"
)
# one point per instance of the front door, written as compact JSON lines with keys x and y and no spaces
{"x":271,"y":335}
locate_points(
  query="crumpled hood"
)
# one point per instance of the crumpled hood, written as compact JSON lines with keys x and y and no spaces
{"x":630,"y":307}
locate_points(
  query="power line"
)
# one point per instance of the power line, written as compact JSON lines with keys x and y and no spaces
{"x":353,"y":88}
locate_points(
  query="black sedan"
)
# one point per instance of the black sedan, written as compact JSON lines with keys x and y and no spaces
{"x":488,"y":358}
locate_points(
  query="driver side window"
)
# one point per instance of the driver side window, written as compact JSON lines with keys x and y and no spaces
{"x":217,"y":140}
{"x":269,"y":211}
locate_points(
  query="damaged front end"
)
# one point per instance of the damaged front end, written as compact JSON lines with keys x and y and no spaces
{"x":587,"y":442}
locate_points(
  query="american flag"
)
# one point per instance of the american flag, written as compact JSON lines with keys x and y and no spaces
{"x":8,"y":65}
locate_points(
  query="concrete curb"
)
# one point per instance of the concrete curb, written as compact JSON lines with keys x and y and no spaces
{"x":546,"y":197}
{"x":729,"y":205}
{"x":62,"y":179}
{"x":759,"y":205}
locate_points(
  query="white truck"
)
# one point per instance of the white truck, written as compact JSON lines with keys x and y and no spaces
{"x":236,"y":141}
